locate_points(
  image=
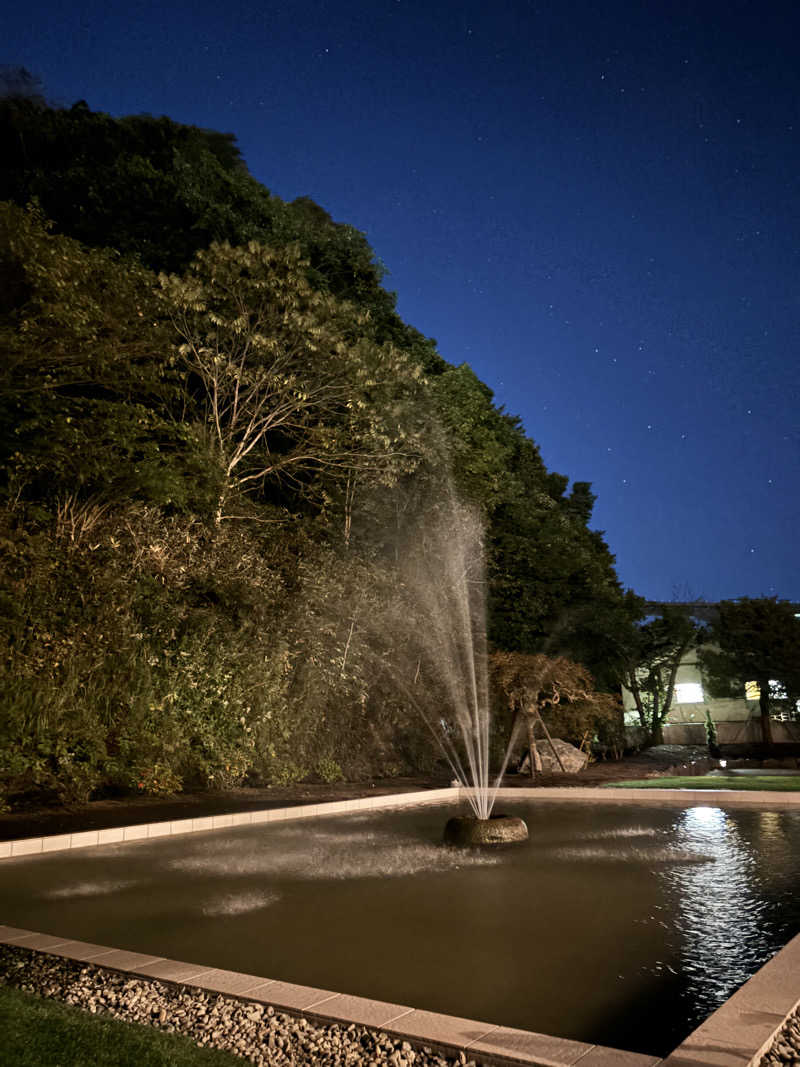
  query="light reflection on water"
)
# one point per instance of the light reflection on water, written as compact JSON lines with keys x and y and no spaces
{"x":727,"y":914}
{"x":641,"y":854}
{"x":719,"y":916}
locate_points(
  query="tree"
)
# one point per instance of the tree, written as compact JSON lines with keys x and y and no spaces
{"x":145,"y":186}
{"x":650,"y":657}
{"x":89,"y":397}
{"x":600,"y":632}
{"x":755,"y":640}
{"x":537,"y":686}
{"x":286,"y":381}
{"x":547,"y":570}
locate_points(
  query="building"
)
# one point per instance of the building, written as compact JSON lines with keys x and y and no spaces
{"x":737,"y":721}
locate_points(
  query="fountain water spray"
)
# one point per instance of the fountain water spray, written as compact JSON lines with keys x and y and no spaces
{"x":445,"y":575}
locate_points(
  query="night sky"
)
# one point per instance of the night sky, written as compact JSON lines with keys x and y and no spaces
{"x":594,"y":205}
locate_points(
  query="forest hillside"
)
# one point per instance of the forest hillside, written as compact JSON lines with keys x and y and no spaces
{"x":218,"y":441}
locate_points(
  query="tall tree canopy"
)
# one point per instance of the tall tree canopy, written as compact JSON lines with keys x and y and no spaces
{"x":90,"y":394}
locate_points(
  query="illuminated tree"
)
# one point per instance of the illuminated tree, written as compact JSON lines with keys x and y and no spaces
{"x":283,"y":373}
{"x":539,"y":688}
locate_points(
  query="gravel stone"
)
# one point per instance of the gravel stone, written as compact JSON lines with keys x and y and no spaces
{"x":256,"y":1033}
{"x":785,"y":1049}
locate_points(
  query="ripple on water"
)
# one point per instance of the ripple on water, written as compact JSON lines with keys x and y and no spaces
{"x":88,"y":889}
{"x":624,"y":832}
{"x":657,"y":854}
{"x":332,"y":856}
{"x":238,"y":903}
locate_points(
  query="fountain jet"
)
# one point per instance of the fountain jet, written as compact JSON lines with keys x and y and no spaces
{"x":445,"y":576}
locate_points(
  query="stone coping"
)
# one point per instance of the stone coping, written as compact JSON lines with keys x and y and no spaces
{"x":27,"y":846}
{"x":493,"y":1044}
{"x":680,"y":798}
{"x":601,"y":795}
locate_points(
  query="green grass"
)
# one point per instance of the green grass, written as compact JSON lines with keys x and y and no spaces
{"x":772,"y":783}
{"x":36,"y":1032}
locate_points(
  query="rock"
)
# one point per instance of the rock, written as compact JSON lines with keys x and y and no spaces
{"x":573,"y":759}
{"x":467,"y":831}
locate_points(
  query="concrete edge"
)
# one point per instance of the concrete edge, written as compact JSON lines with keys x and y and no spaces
{"x":28,"y":846}
{"x":494,"y":1044}
{"x":742,"y":1029}
{"x":678,"y":797}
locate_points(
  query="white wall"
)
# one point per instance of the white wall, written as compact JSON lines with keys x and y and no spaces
{"x":737,"y":721}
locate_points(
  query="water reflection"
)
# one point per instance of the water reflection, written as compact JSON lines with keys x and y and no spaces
{"x":720,"y":916}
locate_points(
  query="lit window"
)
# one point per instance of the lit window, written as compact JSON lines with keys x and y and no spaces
{"x":688,"y":693}
{"x":777,"y":691}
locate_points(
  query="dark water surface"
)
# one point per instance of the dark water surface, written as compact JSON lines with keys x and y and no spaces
{"x":624,"y":926}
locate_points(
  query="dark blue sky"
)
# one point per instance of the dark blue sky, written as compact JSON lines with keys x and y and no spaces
{"x":594,"y":205}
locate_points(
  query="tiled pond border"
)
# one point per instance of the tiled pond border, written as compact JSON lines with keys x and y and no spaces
{"x":736,"y":1035}
{"x":116,"y":835}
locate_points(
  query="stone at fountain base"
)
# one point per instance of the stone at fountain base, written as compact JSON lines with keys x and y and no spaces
{"x":468,"y":831}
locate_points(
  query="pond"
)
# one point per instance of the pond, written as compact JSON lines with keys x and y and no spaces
{"x":618,"y":925}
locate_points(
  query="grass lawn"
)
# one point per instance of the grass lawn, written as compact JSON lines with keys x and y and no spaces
{"x":37,"y":1031}
{"x":774,"y":783}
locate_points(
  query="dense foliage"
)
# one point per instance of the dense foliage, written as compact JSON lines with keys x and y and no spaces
{"x":216,"y":437}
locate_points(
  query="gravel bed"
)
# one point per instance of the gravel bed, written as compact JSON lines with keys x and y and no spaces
{"x":785,"y":1048}
{"x":257,"y":1033}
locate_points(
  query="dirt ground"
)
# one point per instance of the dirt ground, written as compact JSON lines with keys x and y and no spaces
{"x":39,"y":820}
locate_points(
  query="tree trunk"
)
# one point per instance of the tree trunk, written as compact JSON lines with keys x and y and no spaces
{"x":660,"y":714}
{"x":533,"y":752}
{"x":219,"y":511}
{"x":516,"y":729}
{"x":656,"y":718}
{"x":763,"y":707}
{"x":632,"y":683}
{"x":349,"y":497}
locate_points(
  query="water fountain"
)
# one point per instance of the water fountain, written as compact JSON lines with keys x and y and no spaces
{"x":444,"y":573}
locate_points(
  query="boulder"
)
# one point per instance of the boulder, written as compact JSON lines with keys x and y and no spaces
{"x":574,"y":759}
{"x":468,"y":832}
